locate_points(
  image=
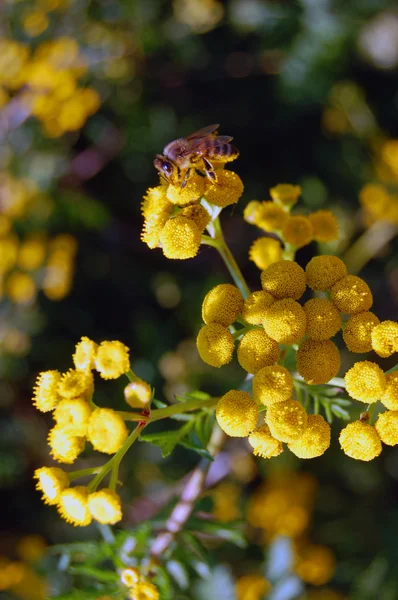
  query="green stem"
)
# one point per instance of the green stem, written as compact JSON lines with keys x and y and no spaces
{"x":99,"y":574}
{"x":82,"y":473}
{"x":176,"y":409}
{"x":243,"y":330}
{"x":368,"y":245}
{"x":131,"y":376}
{"x":289,"y":252}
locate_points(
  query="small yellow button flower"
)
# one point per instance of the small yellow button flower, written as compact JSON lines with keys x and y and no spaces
{"x":45,"y":392}
{"x":315,"y":439}
{"x":105,"y":506}
{"x":318,"y":362}
{"x":264,"y":251}
{"x":270,"y":217}
{"x":324,"y":271}
{"x":155,"y":202}
{"x":65,"y":447}
{"x":215,"y":344}
{"x":256,"y":350}
{"x":198,"y":214}
{"x":315,"y":565}
{"x":351,"y":294}
{"x":323,"y":319}
{"x":284,"y":279}
{"x":20,"y":287}
{"x":324,"y":225}
{"x":285,"y":194}
{"x":85,"y":353}
{"x":193,"y":190}
{"x":272,"y":384}
{"x":106,"y":430}
{"x":51,"y":481}
{"x":223,"y":304}
{"x":226,"y":190}
{"x":74,"y":384}
{"x":387,"y":427}
{"x":73,"y":414}
{"x":263,"y":443}
{"x":359,"y":440}
{"x":144,"y":590}
{"x":390,"y":395}
{"x":357,"y":333}
{"x":287,"y":420}
{"x":297,"y":231}
{"x":254,"y":307}
{"x":180,"y":238}
{"x":365,"y":381}
{"x":32,"y":253}
{"x":152,"y":229}
{"x":252,"y":587}
{"x":385,"y":338}
{"x":285,"y":321}
{"x":237,"y":413}
{"x":130,"y":576}
{"x":138,"y":393}
{"x":252,"y":211}
{"x":112,"y":359}
{"x":73,"y":506}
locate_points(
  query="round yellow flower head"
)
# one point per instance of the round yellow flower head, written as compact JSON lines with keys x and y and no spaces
{"x":31,"y":548}
{"x":152,"y":228}
{"x":193,"y":190}
{"x":270,"y":217}
{"x":318,"y":362}
{"x":387,"y":427}
{"x":180,"y":238}
{"x":85,"y":353}
{"x":323,"y":319}
{"x":73,"y":414}
{"x":287,"y":420}
{"x":106,"y":430}
{"x":263,"y":443}
{"x":352,"y":295}
{"x":51,"y":481}
{"x":73,"y":506}
{"x":215,"y":344}
{"x":20,"y":287}
{"x":8,"y":253}
{"x":264,"y":251}
{"x":390,"y":395}
{"x":284,"y":279}
{"x":144,"y":590}
{"x":357,"y":333}
{"x":256,"y":350}
{"x":198,"y":214}
{"x":272,"y":384}
{"x":105,"y":506}
{"x":315,"y":564}
{"x":45,"y":392}
{"x":359,"y":440}
{"x":285,"y":321}
{"x":252,"y":587}
{"x":32,"y":253}
{"x":75,"y":383}
{"x":324,"y":271}
{"x":226,"y":190}
{"x":365,"y":381}
{"x":254,"y":307}
{"x":112,"y":360}
{"x":297,"y":231}
{"x":65,"y":447}
{"x":130,"y":576}
{"x":155,"y":202}
{"x":138,"y":393}
{"x":237,"y":413}
{"x":324,"y":225}
{"x":374,"y":198}
{"x":223,"y":304}
{"x":315,"y":439}
{"x":252,"y":212}
{"x":285,"y":194}
{"x":385,"y":338}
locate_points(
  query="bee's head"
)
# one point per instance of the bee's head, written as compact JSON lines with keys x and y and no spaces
{"x":164,"y":166}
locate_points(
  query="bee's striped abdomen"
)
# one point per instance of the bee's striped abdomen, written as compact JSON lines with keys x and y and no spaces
{"x":224,"y":152}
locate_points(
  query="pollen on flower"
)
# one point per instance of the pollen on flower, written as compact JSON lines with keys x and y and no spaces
{"x":138,"y":393}
{"x":65,"y":447}
{"x":318,"y":361}
{"x":357,"y":333}
{"x":285,"y":321}
{"x":198,"y":214}
{"x":84,"y":356}
{"x":112,"y":359}
{"x":254,"y":307}
{"x":314,"y":441}
{"x":106,"y":430}
{"x":385,"y":338}
{"x":226,"y":190}
{"x":272,"y":384}
{"x":130,"y":576}
{"x":105,"y":506}
{"x":237,"y":413}
{"x":287,"y":420}
{"x":73,"y":414}
{"x":359,"y":440}
{"x":256,"y":350}
{"x":45,"y":392}
{"x":387,"y":427}
{"x":144,"y":590}
{"x":215,"y":344}
{"x":223,"y":304}
{"x":285,"y":194}
{"x":180,"y":238}
{"x":390,"y":395}
{"x":365,"y":381}
{"x":51,"y":481}
{"x":263,"y":443}
{"x":323,"y":319}
{"x":264,"y":251}
{"x":251,"y":587}
{"x":351,"y":294}
{"x":73,"y":506}
{"x":193,"y":190}
{"x":297,"y":231}
{"x":324,"y":225}
{"x":284,"y":279}
{"x":75,"y":383}
{"x":324,"y":271}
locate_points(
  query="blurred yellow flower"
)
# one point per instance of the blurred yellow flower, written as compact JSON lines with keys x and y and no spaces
{"x":264,"y":251}
{"x":35,"y":22}
{"x":130,"y":576}
{"x":324,"y":225}
{"x":144,"y":590}
{"x":297,"y":231}
{"x":20,"y":287}
{"x":252,"y":587}
{"x":315,"y":564}
{"x":285,"y":194}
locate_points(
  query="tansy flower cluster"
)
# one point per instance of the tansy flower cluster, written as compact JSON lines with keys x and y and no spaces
{"x":139,"y":587}
{"x":377,"y":203}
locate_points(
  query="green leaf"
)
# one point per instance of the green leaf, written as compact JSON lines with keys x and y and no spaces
{"x":340,"y":412}
{"x":159,"y":403}
{"x":167,"y":440}
{"x":192,"y":442}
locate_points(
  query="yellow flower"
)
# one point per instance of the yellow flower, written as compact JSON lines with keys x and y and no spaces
{"x":263,"y":443}
{"x":360,"y":441}
{"x":287,"y":420}
{"x":285,"y":194}
{"x":385,"y":338}
{"x":31,"y":548}
{"x":31,"y":253}
{"x":390,"y":154}
{"x":73,"y":414}
{"x":45,"y":392}
{"x":237,"y":413}
{"x":269,"y":216}
{"x":106,"y":430}
{"x":390,"y":395}
{"x":105,"y":506}
{"x":284,"y":279}
{"x":65,"y":447}
{"x":223,"y":304}
{"x":315,"y":564}
{"x":323,"y":319}
{"x":85,"y":353}
{"x":252,"y":211}
{"x":74,"y":384}
{"x":324,"y":225}
{"x":189,"y":194}
{"x":365,"y":381}
{"x":152,"y":229}
{"x":357,"y":332}
{"x":215,"y":344}
{"x":112,"y":359}
{"x":254,"y":307}
{"x":256,"y":350}
{"x":73,"y":506}
{"x":315,"y":439}
{"x":144,"y":590}
{"x":387,"y":427}
{"x":20,"y":287}
{"x":324,"y":271}
{"x":264,"y":251}
{"x":375,"y":200}
{"x":252,"y":587}
{"x":351,"y":294}
{"x":198,"y":214}
{"x":318,"y":362}
{"x":180,"y":238}
{"x":226,"y":190}
{"x":155,"y":202}
{"x":138,"y":393}
{"x":51,"y":481}
{"x":130,"y":576}
{"x":272,"y":384}
{"x":8,"y":252}
{"x":297,"y":231}
{"x":285,"y":321}
{"x":35,"y":22}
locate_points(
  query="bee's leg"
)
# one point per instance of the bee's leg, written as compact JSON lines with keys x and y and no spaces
{"x":209,"y":170}
{"x":187,"y":175}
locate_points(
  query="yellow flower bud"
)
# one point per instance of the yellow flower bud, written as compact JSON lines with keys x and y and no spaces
{"x":193,"y":190}
{"x":106,"y":430}
{"x":223,"y":304}
{"x":73,"y":414}
{"x":51,"y":482}
{"x":390,"y":395}
{"x":287,"y":420}
{"x":324,"y":225}
{"x":138,"y":393}
{"x":263,"y":443}
{"x":198,"y":214}
{"x":315,"y":564}
{"x":105,"y":506}
{"x":315,"y":439}
{"x":324,"y":271}
{"x":85,"y":353}
{"x":252,"y":587}
{"x":45,"y":392}
{"x":365,"y":381}
{"x":65,"y":447}
{"x":284,"y":279}
{"x":385,"y":338}
{"x":73,"y":506}
{"x":351,"y":294}
{"x":323,"y":319}
{"x":215,"y":344}
{"x":226,"y":190}
{"x":144,"y":590}
{"x":359,"y":440}
{"x":264,"y":251}
{"x":357,"y":332}
{"x":387,"y":427}
{"x":180,"y":238}
{"x":254,"y":307}
{"x":112,"y":360}
{"x":318,"y":362}
{"x":285,"y":321}
{"x":32,"y":253}
{"x":285,"y":194}
{"x":297,"y":231}
{"x":237,"y":413}
{"x":20,"y":287}
{"x":272,"y":384}
{"x":256,"y":350}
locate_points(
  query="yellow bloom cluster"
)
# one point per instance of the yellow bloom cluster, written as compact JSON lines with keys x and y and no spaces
{"x":138,"y":586}
{"x":376,"y":201}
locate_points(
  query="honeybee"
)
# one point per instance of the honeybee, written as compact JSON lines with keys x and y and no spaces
{"x":182,"y":157}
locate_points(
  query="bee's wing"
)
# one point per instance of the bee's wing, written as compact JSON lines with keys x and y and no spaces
{"x":202,"y":132}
